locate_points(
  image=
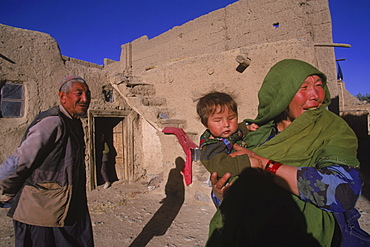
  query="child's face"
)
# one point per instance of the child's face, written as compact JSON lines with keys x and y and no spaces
{"x":223,"y":124}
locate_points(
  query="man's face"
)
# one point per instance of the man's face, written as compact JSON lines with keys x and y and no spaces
{"x":77,"y":100}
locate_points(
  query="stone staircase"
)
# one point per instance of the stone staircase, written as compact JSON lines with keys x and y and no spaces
{"x":142,"y":98}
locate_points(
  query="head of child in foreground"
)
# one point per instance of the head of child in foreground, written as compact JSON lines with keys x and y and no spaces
{"x":218,"y":112}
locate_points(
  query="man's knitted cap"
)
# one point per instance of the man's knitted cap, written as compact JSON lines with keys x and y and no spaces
{"x":70,"y":78}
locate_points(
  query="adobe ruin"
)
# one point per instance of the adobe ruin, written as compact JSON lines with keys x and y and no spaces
{"x":156,"y":82}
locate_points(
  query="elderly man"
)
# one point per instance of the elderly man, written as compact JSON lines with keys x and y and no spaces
{"x":45,"y":176}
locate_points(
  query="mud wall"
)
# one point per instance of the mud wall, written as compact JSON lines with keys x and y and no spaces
{"x":183,"y":82}
{"x":243,"y":23}
{"x":199,"y":56}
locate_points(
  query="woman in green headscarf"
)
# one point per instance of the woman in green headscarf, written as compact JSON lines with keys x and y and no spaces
{"x":304,"y":167}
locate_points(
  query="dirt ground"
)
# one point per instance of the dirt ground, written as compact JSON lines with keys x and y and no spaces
{"x":138,"y":215}
{"x":134,"y":215}
{"x":131,"y":215}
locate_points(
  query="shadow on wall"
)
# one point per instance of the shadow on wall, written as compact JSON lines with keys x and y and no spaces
{"x":358,"y":121}
{"x":334,"y":105}
{"x":171,"y":205}
{"x":363,"y":155}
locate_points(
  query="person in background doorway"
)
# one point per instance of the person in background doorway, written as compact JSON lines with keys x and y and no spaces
{"x":104,"y":161}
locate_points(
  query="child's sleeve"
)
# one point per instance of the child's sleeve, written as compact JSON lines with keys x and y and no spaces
{"x":215,"y":157}
{"x":243,"y":127}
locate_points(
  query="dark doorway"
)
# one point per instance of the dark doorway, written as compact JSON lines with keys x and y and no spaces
{"x":104,"y":128}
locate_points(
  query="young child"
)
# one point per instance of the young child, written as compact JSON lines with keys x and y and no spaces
{"x":219,"y":114}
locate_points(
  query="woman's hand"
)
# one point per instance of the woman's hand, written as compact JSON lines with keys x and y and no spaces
{"x":286,"y":176}
{"x":239,"y":150}
{"x":256,"y":160}
{"x":219,"y":186}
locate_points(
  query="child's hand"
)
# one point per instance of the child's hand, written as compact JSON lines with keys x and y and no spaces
{"x":252,"y":127}
{"x":220,"y":186}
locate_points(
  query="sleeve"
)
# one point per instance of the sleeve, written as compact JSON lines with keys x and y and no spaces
{"x":334,"y":188}
{"x":18,"y":166}
{"x":106,"y":148}
{"x":215,"y":158}
{"x":215,"y":200}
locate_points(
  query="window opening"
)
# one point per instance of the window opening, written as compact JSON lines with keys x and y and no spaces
{"x":11,"y":100}
{"x":108,"y":95}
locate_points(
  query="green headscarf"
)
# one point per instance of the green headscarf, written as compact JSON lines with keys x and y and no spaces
{"x":316,"y":138}
{"x":277,"y":91}
{"x":281,"y":84}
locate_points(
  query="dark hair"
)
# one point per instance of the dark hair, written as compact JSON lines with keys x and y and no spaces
{"x":207,"y":105}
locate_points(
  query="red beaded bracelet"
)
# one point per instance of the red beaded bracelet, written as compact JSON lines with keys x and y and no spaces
{"x":272,"y":166}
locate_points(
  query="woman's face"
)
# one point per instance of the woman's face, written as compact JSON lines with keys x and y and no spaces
{"x":310,"y":96}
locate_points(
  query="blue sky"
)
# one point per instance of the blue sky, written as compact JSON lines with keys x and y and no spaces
{"x":92,"y":30}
